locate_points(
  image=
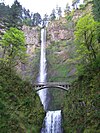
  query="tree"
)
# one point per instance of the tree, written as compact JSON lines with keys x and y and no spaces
{"x":15,"y":18}
{"x":26,"y":13}
{"x":45,"y":19}
{"x":96,"y":9}
{"x":53,"y":15}
{"x":86,"y":40}
{"x":36,"y":19}
{"x":87,"y":1}
{"x":96,"y":12}
{"x":59,"y":11}
{"x":13,"y":43}
{"x":21,"y":110}
{"x":27,"y":17}
{"x":67,"y":8}
{"x":75,"y":2}
{"x":4,"y":13}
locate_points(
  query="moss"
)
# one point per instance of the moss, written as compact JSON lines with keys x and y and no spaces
{"x":81,"y":112}
{"x":20,"y":106}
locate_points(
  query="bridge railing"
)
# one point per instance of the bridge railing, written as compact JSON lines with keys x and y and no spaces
{"x":60,"y":85}
{"x":51,"y":84}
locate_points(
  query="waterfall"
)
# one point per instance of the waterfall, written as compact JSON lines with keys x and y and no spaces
{"x":43,"y":73}
{"x":52,"y":121}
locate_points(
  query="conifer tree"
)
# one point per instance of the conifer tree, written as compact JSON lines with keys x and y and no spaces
{"x":36,"y":19}
{"x":74,"y":3}
{"x":53,"y":15}
{"x":96,"y":9}
{"x":15,"y":18}
{"x":4,"y":12}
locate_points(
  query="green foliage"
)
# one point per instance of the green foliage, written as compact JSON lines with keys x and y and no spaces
{"x":53,"y":15}
{"x":81,"y":111}
{"x":87,"y":46}
{"x":4,"y":12}
{"x":87,"y":1}
{"x":75,"y":2}
{"x":59,"y":11}
{"x":96,"y":9}
{"x":36,"y":19}
{"x":31,"y":71}
{"x":81,"y":107}
{"x":67,"y":8}
{"x":20,"y":107}
{"x":69,"y":15}
{"x":96,"y":13}
{"x":59,"y":70}
{"x":27,"y":21}
{"x":27,"y":17}
{"x":61,"y":61}
{"x":15,"y":15}
{"x":82,"y":6}
{"x":13,"y":43}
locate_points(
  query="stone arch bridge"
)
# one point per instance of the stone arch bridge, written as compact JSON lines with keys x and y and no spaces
{"x":59,"y":85}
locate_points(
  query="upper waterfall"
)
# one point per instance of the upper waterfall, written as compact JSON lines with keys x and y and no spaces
{"x":52,"y":121}
{"x":43,"y":73}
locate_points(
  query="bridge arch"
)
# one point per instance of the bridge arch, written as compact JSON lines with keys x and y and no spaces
{"x":60,"y":85}
{"x":48,"y":87}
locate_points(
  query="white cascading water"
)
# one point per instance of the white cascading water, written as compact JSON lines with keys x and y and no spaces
{"x":52,"y":121}
{"x":43,"y":73}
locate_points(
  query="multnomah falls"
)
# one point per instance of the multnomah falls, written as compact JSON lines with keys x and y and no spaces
{"x":52,"y":121}
{"x":49,"y":66}
{"x":42,"y":74}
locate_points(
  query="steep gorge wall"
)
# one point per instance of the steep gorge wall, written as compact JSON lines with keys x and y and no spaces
{"x":32,"y":36}
{"x":60,"y":34}
{"x":28,"y":70}
{"x":63,"y":29}
{"x":57,"y":31}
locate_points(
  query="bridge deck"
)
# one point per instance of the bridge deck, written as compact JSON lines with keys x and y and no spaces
{"x":50,"y":83}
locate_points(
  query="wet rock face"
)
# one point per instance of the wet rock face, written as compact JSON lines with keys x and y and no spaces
{"x":60,"y":34}
{"x":31,"y":35}
{"x":62,"y":29}
{"x":57,"y":31}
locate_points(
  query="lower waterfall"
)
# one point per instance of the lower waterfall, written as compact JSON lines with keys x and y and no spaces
{"x":52,"y":121}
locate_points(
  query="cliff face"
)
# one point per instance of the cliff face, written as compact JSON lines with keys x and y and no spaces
{"x":60,"y":36}
{"x":32,"y":36}
{"x":57,"y":31}
{"x":63,"y":29}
